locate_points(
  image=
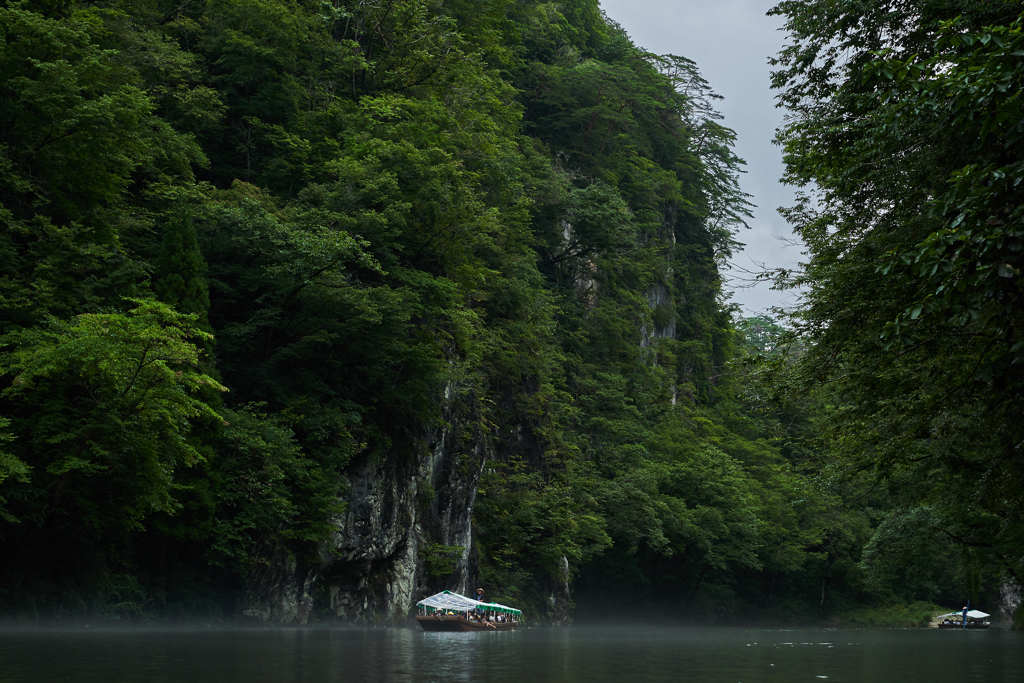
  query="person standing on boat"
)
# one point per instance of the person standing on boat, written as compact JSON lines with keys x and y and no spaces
{"x":963,"y":624}
{"x":480,"y":598}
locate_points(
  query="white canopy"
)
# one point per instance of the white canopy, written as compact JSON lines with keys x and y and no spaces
{"x":973,"y":614}
{"x":460,"y":603}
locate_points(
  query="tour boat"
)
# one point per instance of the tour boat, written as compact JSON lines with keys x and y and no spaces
{"x":975,"y":619}
{"x":448,"y":611}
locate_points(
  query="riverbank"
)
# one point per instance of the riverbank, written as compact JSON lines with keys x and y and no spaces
{"x":913,"y":615}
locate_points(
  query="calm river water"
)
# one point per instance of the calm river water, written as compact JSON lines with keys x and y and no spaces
{"x":593,"y":655}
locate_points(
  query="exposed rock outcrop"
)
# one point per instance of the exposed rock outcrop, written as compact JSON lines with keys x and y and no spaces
{"x":664,"y":322}
{"x":1011,"y":599}
{"x":281,"y":593}
{"x":560,"y":599}
{"x":372,"y":570}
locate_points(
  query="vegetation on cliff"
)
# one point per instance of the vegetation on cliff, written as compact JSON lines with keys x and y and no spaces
{"x":250,"y":245}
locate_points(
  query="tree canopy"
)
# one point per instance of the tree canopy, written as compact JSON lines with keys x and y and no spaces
{"x":363,"y":298}
{"x":906,"y":134}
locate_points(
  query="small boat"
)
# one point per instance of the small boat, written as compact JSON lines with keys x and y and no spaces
{"x":975,"y":619}
{"x":448,"y":611}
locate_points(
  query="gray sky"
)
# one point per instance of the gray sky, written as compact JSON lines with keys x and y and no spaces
{"x":731,"y":41}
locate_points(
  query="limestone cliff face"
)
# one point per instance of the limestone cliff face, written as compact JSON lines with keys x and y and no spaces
{"x":1011,"y":602}
{"x":372,"y":570}
{"x":369,"y":569}
{"x":281,"y":593}
{"x":560,"y":598}
{"x":659,"y":297}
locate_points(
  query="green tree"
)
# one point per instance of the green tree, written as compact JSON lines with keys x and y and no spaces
{"x":905,"y":130}
{"x":492,"y":229}
{"x":107,"y":400}
{"x":102,"y":413}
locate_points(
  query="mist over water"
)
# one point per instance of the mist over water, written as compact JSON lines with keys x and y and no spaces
{"x":532,"y":655}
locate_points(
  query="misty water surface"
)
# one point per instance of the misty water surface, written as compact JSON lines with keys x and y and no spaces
{"x":621,"y":654}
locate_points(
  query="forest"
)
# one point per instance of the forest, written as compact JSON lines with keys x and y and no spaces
{"x":311,"y":308}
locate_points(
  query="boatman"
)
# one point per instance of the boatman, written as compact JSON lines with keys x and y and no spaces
{"x":964,"y":622}
{"x":480,"y":598}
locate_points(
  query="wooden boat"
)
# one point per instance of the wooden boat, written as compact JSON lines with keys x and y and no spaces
{"x":459,"y":622}
{"x":448,"y":611}
{"x":975,"y":619}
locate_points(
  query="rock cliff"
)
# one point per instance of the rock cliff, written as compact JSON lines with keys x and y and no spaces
{"x":372,"y":570}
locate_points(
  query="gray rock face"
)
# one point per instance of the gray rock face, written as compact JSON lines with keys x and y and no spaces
{"x":1010,"y":598}
{"x":660,"y":300}
{"x":370,"y":566}
{"x":281,"y":594}
{"x":372,"y":569}
{"x":560,"y":599}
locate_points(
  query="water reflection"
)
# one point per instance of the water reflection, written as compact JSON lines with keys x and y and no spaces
{"x":636,"y":653}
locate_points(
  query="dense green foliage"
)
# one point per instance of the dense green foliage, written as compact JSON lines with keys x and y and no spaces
{"x":907,"y":133}
{"x":251,"y":248}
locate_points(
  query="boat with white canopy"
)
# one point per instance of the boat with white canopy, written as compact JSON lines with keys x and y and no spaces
{"x":448,"y":611}
{"x":975,"y":618}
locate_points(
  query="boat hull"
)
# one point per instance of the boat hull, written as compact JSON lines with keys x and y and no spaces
{"x":960,"y":626}
{"x":453,"y":622}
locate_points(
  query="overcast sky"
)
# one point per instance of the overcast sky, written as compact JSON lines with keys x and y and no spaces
{"x":731,"y":41}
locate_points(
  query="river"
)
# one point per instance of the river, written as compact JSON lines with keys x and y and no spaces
{"x":533,"y":655}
